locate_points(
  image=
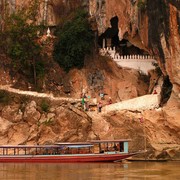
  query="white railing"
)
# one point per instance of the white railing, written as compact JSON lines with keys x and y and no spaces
{"x":139,"y":57}
{"x":114,"y":55}
{"x":143,"y":63}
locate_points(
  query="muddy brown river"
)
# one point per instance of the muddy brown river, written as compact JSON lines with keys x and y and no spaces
{"x":91,"y":171}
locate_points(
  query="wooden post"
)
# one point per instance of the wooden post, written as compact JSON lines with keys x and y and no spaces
{"x":104,"y":43}
{"x":145,"y":144}
{"x":144,"y":132}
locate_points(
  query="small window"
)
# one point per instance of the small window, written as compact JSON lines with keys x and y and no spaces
{"x":121,"y":146}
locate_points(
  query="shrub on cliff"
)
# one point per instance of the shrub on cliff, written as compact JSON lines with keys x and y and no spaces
{"x":22,"y":39}
{"x":5,"y":98}
{"x":44,"y":106}
{"x":142,"y":5}
{"x":75,"y":40}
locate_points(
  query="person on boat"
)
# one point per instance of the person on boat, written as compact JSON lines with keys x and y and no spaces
{"x":115,"y":147}
{"x":107,"y":149}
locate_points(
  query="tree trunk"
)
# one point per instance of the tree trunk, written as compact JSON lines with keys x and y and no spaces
{"x":34,"y":72}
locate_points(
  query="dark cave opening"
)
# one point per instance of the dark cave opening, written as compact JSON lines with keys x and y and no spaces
{"x":126,"y":48}
{"x":166,"y":90}
{"x":111,"y":39}
{"x":178,"y":19}
{"x":111,"y":34}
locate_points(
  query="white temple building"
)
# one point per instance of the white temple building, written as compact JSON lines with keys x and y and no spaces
{"x":143,"y":63}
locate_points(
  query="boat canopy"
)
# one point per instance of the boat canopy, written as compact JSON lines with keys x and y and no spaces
{"x":29,"y":146}
{"x":79,"y":146}
{"x":74,"y":144}
{"x":110,"y":141}
{"x":92,"y":142}
{"x":68,"y":144}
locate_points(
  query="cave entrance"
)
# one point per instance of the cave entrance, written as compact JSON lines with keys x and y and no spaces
{"x":126,"y":48}
{"x":110,"y":38}
{"x":166,"y":90}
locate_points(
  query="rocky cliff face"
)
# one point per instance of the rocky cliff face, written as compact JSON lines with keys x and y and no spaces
{"x":28,"y":120}
{"x":27,"y":123}
{"x":153,"y":26}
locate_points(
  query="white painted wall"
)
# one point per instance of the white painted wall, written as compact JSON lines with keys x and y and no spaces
{"x":142,"y":63}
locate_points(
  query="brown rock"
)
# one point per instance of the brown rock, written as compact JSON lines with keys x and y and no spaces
{"x":12,"y":112}
{"x":31,"y":115}
{"x":5,"y":125}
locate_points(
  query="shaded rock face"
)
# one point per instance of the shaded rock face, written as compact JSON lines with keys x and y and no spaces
{"x":101,"y":75}
{"x":166,"y":43}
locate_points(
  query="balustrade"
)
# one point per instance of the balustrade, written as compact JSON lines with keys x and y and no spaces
{"x":114,"y":55}
{"x":142,"y":63}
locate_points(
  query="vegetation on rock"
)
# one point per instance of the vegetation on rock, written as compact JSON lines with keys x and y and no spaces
{"x":142,"y":5}
{"x":44,"y":106}
{"x":21,"y":40}
{"x":4,"y":97}
{"x":75,"y":41}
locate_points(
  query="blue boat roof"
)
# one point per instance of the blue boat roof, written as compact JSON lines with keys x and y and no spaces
{"x":91,"y":142}
{"x":110,"y":141}
{"x":67,"y":144}
{"x":73,"y":143}
{"x":79,"y":146}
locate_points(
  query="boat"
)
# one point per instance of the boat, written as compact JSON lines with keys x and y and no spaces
{"x":91,"y":151}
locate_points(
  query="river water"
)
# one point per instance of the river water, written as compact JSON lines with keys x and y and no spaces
{"x":91,"y":171}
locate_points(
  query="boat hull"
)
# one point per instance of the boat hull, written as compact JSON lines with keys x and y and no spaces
{"x":64,"y":158}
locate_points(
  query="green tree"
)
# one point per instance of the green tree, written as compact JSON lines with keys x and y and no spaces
{"x":75,"y":41}
{"x":21,"y":38}
{"x":142,"y":5}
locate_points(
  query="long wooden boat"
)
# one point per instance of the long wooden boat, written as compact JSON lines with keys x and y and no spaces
{"x":92,"y":151}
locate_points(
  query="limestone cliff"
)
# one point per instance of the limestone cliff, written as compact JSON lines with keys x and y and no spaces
{"x":155,"y":27}
{"x":152,"y":26}
{"x":42,"y":120}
